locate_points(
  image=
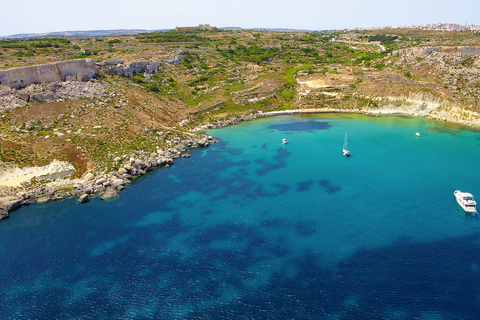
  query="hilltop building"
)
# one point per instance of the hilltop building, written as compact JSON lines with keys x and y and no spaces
{"x":200,"y":26}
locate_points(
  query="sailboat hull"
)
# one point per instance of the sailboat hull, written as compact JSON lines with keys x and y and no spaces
{"x":346,"y":152}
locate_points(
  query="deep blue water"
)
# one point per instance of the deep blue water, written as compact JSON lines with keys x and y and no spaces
{"x":250,"y":228}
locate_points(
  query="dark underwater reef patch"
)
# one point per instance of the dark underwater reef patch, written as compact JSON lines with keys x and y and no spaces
{"x":304,"y":185}
{"x":330,"y":188}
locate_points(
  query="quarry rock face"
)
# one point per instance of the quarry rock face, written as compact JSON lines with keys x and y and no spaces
{"x":76,"y":70}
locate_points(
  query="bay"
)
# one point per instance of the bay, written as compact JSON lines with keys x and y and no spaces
{"x":251,"y":228}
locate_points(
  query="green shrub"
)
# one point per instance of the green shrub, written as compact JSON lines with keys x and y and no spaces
{"x":289,"y":80}
{"x":42,"y":45}
{"x":287,"y":94}
{"x":138,"y":79}
{"x":20,"y":53}
{"x":199,"y":80}
{"x":170,"y":36}
{"x":384,"y":39}
{"x":113,"y":41}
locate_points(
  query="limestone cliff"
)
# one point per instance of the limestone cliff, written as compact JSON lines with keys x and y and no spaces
{"x":76,"y":70}
{"x":426,"y":105}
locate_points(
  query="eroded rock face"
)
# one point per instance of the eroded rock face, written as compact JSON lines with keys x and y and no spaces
{"x":78,"y":70}
{"x":8,"y":204}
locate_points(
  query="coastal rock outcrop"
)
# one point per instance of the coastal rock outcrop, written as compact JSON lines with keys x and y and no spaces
{"x":8,"y":204}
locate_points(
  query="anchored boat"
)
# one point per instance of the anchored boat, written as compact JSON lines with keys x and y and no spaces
{"x":465,"y":200}
{"x":346,"y":152}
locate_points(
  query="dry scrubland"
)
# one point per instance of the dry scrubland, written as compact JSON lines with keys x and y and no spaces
{"x":212,"y":77}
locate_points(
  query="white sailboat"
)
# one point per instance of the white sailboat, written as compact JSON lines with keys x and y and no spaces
{"x":346,"y":152}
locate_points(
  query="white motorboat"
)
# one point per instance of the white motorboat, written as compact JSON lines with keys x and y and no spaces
{"x":417,"y":134}
{"x":465,"y":200}
{"x":284,"y":141}
{"x":346,"y":152}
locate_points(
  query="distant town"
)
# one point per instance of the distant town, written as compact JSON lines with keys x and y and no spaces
{"x":431,"y":26}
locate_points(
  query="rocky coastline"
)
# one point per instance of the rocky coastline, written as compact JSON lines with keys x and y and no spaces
{"x":453,"y":115}
{"x":104,"y":185}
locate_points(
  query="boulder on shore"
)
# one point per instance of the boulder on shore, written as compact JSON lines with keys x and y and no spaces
{"x":108,"y":195}
{"x":83,"y":198}
{"x":43,"y":199}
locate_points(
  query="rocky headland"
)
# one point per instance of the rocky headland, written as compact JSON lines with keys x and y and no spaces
{"x":105,"y":185}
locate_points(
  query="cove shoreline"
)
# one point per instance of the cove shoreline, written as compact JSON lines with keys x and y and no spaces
{"x":107,"y":186}
{"x":442,"y":116}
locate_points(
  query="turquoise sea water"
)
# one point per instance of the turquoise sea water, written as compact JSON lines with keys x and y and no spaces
{"x":250,"y":228}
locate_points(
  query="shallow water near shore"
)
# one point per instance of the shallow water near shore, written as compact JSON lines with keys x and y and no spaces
{"x":251,"y":228}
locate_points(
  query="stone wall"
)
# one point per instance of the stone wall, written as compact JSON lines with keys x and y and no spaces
{"x":70,"y":70}
{"x":460,"y":51}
